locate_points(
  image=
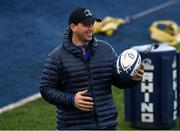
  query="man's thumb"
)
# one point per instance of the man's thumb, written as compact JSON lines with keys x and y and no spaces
{"x":83,"y":92}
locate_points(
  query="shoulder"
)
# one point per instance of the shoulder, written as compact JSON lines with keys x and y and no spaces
{"x":105,"y":45}
{"x":56,"y":53}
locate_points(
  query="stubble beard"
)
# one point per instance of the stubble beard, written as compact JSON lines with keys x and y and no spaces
{"x":86,"y":39}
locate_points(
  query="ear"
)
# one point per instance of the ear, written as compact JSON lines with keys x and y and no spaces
{"x":73,"y":27}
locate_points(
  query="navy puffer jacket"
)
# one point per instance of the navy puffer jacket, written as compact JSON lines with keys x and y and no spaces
{"x":65,"y":73}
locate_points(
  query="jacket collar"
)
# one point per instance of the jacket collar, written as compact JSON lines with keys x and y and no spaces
{"x":68,"y":45}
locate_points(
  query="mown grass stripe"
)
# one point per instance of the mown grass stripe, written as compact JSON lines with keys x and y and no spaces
{"x":20,"y":103}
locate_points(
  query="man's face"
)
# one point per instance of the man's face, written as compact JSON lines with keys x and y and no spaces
{"x":83,"y":32}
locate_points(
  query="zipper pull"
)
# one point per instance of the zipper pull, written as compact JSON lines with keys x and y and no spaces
{"x":84,"y":51}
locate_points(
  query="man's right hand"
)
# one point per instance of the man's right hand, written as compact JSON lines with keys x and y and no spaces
{"x":83,"y":102}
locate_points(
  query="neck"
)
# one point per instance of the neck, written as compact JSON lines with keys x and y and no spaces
{"x":78,"y":42}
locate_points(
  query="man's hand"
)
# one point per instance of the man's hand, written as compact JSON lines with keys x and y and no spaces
{"x":139,"y":73}
{"x":83,"y":102}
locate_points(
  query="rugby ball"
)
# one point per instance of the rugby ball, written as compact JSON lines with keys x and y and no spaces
{"x":128,"y":62}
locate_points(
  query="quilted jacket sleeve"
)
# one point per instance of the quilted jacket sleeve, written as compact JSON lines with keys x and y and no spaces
{"x":117,"y":80}
{"x":50,"y":86}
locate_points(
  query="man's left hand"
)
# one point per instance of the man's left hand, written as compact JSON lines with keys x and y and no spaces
{"x":139,"y":73}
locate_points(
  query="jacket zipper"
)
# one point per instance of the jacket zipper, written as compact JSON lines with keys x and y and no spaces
{"x":91,"y":90}
{"x":83,"y":50}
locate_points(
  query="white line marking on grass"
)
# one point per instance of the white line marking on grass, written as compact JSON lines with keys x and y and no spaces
{"x":20,"y":103}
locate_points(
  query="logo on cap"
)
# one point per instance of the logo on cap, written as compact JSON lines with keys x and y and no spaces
{"x":87,"y":12}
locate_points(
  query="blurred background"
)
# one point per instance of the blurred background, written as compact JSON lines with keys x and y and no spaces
{"x":31,"y":29}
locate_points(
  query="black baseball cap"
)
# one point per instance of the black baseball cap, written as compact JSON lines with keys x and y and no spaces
{"x":82,"y":15}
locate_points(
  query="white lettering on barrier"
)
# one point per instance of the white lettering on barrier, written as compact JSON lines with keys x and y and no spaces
{"x":174,"y":73}
{"x":146,"y":97}
{"x":147,"y":107}
{"x":147,"y":117}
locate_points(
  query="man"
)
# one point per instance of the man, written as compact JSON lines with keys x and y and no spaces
{"x":78,"y":75}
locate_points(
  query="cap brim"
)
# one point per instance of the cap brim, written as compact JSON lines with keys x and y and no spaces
{"x":91,"y":20}
{"x":98,"y":20}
